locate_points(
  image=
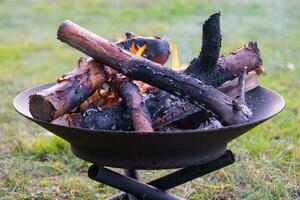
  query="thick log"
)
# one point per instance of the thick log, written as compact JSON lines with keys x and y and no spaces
{"x":69,"y":91}
{"x":154,"y":74}
{"x":140,"y":117}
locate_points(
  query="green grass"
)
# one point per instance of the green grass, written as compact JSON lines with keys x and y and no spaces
{"x":35,"y":164}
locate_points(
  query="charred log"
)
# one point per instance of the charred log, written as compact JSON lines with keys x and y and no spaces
{"x":69,"y":91}
{"x":106,"y":118}
{"x":206,"y":62}
{"x":140,"y":117}
{"x":157,"y":49}
{"x":154,"y":74}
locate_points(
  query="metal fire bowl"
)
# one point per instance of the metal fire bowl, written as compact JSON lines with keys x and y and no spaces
{"x":156,"y":150}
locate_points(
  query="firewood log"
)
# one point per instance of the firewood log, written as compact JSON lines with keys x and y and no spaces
{"x":154,"y":74}
{"x":140,"y":117}
{"x":70,"y":91}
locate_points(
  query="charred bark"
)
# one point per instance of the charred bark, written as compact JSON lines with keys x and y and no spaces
{"x":206,"y":62}
{"x":69,"y":91}
{"x":157,"y":49}
{"x":105,"y":118}
{"x":140,"y":117}
{"x":154,"y":74}
{"x":211,"y":69}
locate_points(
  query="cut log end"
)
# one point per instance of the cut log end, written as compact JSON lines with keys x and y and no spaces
{"x":40,"y":108}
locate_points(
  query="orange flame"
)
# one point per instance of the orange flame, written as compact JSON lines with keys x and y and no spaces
{"x":137,"y":51}
{"x":175,"y":57}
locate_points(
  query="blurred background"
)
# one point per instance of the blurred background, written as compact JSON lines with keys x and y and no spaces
{"x":34,"y":164}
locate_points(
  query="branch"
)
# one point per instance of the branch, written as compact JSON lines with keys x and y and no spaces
{"x":140,"y":117}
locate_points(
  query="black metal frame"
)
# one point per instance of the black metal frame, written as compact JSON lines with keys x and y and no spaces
{"x":156,"y":189}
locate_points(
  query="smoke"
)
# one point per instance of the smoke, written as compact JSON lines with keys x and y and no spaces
{"x":186,"y":35}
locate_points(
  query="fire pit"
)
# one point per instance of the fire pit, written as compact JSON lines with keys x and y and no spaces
{"x":220,"y":91}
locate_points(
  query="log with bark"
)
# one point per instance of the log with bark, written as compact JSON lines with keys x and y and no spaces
{"x":140,"y":117}
{"x":227,"y":108}
{"x":70,"y":91}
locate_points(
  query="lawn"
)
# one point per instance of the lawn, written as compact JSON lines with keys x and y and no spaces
{"x":34,"y":164}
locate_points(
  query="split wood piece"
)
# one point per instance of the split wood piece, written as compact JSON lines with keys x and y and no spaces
{"x":140,"y":117}
{"x":69,"y":91}
{"x":113,"y":117}
{"x":154,"y":74}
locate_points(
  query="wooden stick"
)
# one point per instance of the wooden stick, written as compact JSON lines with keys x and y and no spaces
{"x":230,"y":87}
{"x":154,"y":74}
{"x":140,"y":117}
{"x":70,"y":91}
{"x":241,"y":85}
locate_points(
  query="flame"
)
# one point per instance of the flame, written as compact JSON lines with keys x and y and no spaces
{"x":133,"y":49}
{"x":175,"y":57}
{"x":137,"y":51}
{"x":142,"y":91}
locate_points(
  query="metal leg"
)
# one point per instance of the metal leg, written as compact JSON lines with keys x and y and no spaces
{"x":159,"y":185}
{"x":128,"y":185}
{"x":132,"y":174}
{"x":190,"y":173}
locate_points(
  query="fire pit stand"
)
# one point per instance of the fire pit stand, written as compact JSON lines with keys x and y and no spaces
{"x":156,"y":189}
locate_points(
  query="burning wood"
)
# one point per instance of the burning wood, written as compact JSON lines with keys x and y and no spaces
{"x":133,"y":89}
{"x":154,"y":74}
{"x":140,"y":117}
{"x":70,"y":91}
{"x":64,"y":97}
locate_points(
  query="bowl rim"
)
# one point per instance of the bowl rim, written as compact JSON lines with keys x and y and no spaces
{"x":176,"y":132}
